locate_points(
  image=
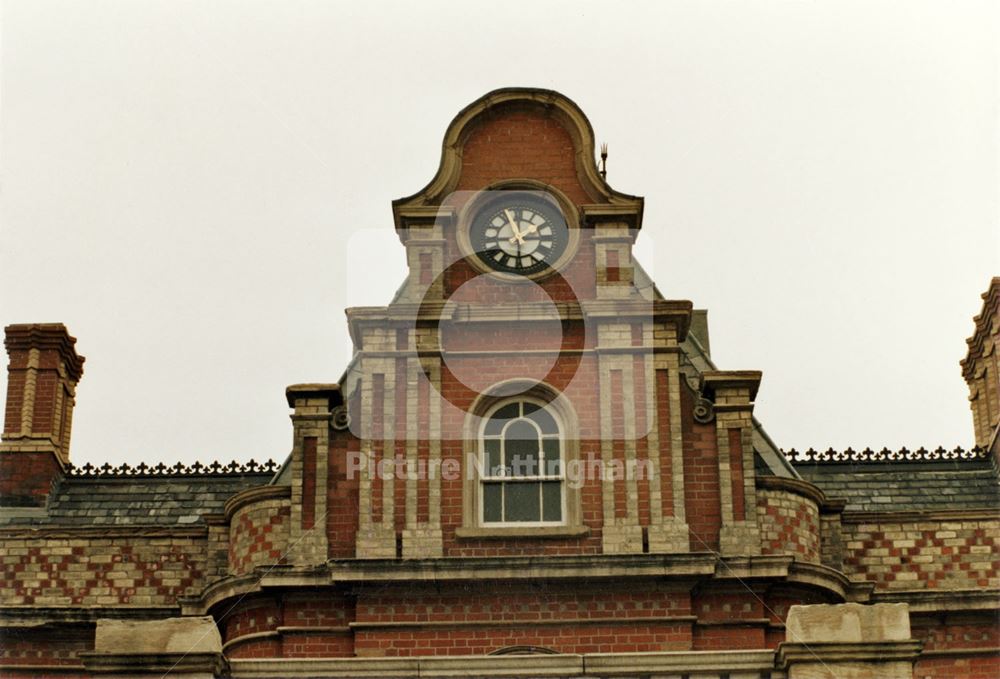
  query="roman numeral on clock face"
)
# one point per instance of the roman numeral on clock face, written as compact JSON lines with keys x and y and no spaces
{"x":519,"y":238}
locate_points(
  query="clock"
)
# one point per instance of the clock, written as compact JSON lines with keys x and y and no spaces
{"x":521,"y":234}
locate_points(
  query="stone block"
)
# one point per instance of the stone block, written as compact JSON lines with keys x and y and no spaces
{"x":848,"y":623}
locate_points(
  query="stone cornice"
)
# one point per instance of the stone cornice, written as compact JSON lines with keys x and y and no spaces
{"x":257,"y":494}
{"x":984,"y":321}
{"x":106,"y":531}
{"x":802,"y":488}
{"x":311,"y":390}
{"x":438,"y":624}
{"x":915,"y":515}
{"x":131,"y":664}
{"x":42,"y":616}
{"x":788,"y":569}
{"x":684,"y":570}
{"x":54,"y":336}
{"x":942,"y":601}
{"x":418,"y":206}
{"x":682,"y":566}
{"x":560,"y":665}
{"x":714,"y":380}
{"x":862,"y":652}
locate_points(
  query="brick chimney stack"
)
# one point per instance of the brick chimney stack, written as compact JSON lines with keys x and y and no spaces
{"x":43,"y":371}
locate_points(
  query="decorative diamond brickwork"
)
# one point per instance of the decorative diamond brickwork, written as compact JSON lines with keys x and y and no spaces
{"x":789,"y":524}
{"x":925,"y":554}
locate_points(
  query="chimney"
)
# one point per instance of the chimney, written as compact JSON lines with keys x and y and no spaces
{"x":42,"y":374}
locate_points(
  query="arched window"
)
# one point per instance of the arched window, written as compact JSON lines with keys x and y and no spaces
{"x":522,"y":465}
{"x":522,"y":458}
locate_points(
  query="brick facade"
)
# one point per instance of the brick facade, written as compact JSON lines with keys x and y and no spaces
{"x":348,"y":560}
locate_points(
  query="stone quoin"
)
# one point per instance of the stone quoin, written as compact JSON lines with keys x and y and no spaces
{"x":530,"y":467}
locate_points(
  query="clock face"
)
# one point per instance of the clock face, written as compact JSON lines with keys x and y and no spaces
{"x":521,"y":235}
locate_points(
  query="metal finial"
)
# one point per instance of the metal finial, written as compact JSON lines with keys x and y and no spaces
{"x":604,"y":161}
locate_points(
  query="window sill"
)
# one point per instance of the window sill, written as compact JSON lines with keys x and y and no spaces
{"x":501,"y":532}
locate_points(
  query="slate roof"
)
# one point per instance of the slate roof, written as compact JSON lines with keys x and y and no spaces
{"x":904,"y":486}
{"x":137,"y":500}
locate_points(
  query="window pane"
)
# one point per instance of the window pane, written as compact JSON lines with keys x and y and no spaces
{"x":500,"y":418}
{"x":530,"y":408}
{"x":491,"y":501}
{"x":552,"y":501}
{"x":521,"y":502}
{"x":492,"y":448}
{"x":521,"y":448}
{"x":545,"y":422}
{"x":553,"y":463}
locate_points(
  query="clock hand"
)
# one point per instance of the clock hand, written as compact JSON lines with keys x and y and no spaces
{"x":532,"y":228}
{"x":517,"y":234}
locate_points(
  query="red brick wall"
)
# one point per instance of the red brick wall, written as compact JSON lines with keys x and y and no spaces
{"x":397,"y":621}
{"x":510,"y":143}
{"x":26,"y":646}
{"x":701,"y":479}
{"x":949,"y":636}
{"x":580,"y":381}
{"x":632,"y":637}
{"x":26,"y":478}
{"x":342,"y":497}
{"x":15,"y":390}
{"x":300,"y":625}
{"x":986,"y":666}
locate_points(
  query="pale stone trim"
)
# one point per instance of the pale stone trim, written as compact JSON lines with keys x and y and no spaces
{"x":722,"y":426}
{"x":434,"y":419}
{"x":652,"y":435}
{"x":252,"y":495}
{"x":30,"y":388}
{"x":682,"y":566}
{"x":707,"y":664}
{"x":548,"y":102}
{"x":377,"y":540}
{"x":503,"y":532}
{"x":546,"y":622}
{"x":413,"y":408}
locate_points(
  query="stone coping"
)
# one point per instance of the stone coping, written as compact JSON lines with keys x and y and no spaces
{"x":69,"y":531}
{"x":685,"y":566}
{"x":985,"y":514}
{"x":507,"y":532}
{"x":682,"y":570}
{"x":942,"y":600}
{"x":150,"y":664}
{"x":538,"y":665}
{"x":860,"y":652}
{"x":256,"y":494}
{"x":802,"y":488}
{"x":39,"y":616}
{"x":541,"y":622}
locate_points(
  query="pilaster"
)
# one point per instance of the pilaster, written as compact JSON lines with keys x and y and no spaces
{"x":312,"y":403}
{"x":848,"y":641}
{"x":733,"y":393}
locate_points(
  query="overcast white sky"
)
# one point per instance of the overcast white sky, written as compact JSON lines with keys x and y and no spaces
{"x":198,"y":189}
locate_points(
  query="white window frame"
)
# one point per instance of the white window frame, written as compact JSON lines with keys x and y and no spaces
{"x":485,"y":477}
